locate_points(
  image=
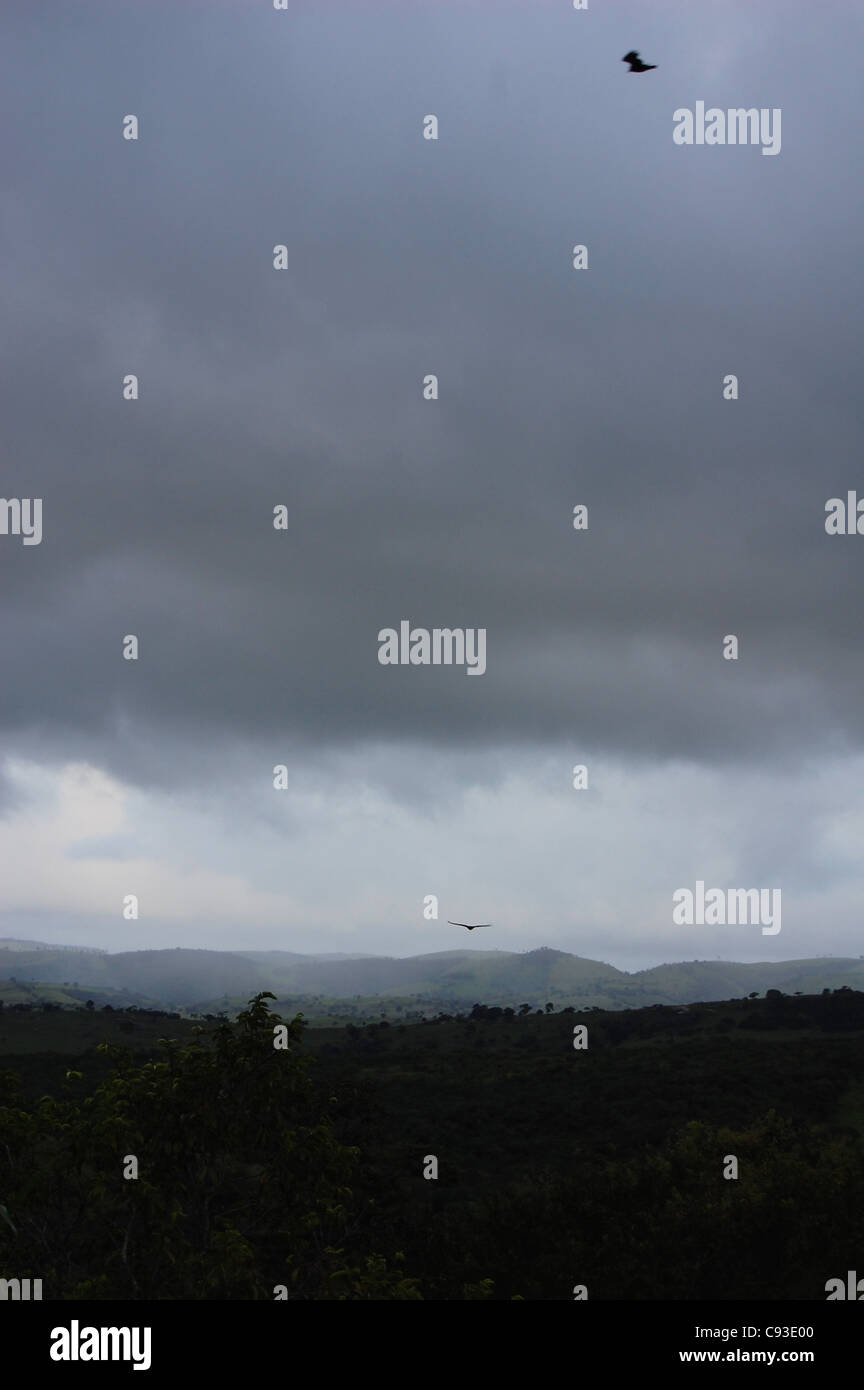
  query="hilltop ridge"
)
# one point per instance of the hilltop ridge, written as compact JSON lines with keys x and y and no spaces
{"x":187,"y":978}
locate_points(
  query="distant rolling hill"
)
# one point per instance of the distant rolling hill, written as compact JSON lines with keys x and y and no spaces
{"x":725,"y":979}
{"x":183,"y":978}
{"x":169,"y":977}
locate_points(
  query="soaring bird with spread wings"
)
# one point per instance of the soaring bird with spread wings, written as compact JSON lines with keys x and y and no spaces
{"x":636,"y":64}
{"x":469,"y":926}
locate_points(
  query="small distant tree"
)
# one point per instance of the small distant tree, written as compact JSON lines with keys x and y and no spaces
{"x":550,"y":1008}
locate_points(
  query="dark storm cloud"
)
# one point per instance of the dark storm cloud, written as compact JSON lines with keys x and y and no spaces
{"x":408,"y":257}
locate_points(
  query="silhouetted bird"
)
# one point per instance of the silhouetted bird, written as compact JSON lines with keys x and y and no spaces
{"x":468,"y":925}
{"x":636,"y":64}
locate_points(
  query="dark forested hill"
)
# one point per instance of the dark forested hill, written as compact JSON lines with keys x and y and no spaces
{"x":484,"y":1157}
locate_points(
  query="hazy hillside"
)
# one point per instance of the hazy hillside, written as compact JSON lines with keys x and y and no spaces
{"x":711,"y":980}
{"x":536,"y":977}
{"x":13,"y":943}
{"x":279,"y":958}
{"x":54,"y":964}
{"x":177,"y":977}
{"x":444,"y":979}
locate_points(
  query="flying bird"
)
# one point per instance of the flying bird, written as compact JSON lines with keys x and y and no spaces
{"x":636,"y":64}
{"x":469,"y":926}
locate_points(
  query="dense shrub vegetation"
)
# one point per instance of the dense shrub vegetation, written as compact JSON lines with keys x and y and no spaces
{"x":260,"y":1167}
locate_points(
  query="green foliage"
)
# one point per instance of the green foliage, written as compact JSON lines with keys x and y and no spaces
{"x":374,"y":1280}
{"x":242,"y":1183}
{"x":473,"y":1293}
{"x":262,"y":1168}
{"x":606,"y":1167}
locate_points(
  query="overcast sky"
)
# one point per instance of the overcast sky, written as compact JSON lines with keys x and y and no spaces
{"x":303,"y":387}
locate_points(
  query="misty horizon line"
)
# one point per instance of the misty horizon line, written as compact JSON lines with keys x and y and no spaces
{"x":19,"y":941}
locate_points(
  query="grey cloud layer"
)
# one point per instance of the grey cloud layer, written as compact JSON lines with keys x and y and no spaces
{"x":409,"y":257}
